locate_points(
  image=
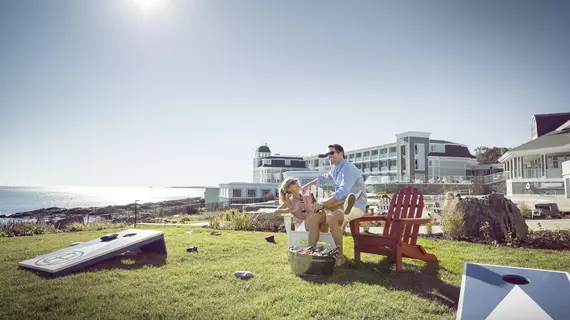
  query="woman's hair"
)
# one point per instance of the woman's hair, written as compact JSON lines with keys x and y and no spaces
{"x":282,"y":190}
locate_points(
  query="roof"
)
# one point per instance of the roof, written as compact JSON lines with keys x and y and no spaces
{"x":264,"y":148}
{"x":546,"y":123}
{"x":441,"y":141}
{"x":284,"y":157}
{"x":550,"y":140}
{"x":453,"y":151}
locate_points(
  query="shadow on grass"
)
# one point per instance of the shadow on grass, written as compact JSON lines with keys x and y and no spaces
{"x":129,"y":262}
{"x":422,"y":281}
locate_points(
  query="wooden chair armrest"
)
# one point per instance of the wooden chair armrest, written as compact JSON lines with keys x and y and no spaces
{"x":370,"y":218}
{"x":412,"y":220}
{"x":355,"y":224}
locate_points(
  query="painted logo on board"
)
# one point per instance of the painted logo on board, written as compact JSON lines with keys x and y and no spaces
{"x":55,"y":260}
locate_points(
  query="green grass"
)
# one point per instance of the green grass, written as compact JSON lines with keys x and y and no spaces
{"x":201,"y":285}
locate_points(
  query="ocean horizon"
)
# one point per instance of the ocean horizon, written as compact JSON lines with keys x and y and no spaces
{"x":15,"y":199}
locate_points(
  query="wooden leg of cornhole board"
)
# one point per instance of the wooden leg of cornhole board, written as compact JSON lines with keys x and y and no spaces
{"x":158,"y":246}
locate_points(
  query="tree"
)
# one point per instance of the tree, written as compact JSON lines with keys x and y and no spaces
{"x":486,"y":155}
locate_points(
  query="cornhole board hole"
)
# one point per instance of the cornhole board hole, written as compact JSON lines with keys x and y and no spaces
{"x":501,"y":292}
{"x":89,"y":253}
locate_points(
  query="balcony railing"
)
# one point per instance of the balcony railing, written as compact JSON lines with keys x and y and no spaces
{"x":495,"y":177}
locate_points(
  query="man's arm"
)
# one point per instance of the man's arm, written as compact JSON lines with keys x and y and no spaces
{"x":347,"y":180}
{"x":321,"y":179}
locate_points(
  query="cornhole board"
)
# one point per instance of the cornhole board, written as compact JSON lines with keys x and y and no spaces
{"x":89,"y":253}
{"x":501,"y":292}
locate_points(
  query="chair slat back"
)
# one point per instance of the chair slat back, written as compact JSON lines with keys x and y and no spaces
{"x":407,"y":203}
{"x":318,"y":192}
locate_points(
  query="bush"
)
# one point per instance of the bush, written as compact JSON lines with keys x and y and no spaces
{"x":545,"y":239}
{"x":452,"y":224}
{"x":16,"y":229}
{"x":232,"y":220}
{"x":188,"y":219}
{"x":525,"y":209}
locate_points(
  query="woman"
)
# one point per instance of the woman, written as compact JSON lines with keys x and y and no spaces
{"x":301,"y":207}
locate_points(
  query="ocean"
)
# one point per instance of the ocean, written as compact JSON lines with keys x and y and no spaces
{"x":20,"y":199}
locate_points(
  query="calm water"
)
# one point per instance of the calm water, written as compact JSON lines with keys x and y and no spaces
{"x":19,"y":199}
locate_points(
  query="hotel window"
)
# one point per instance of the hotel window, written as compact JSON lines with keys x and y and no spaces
{"x":265,"y":192}
{"x":287,"y":162}
{"x":266,"y":161}
{"x":432,"y":148}
{"x":251,"y":193}
{"x":392,"y":149}
{"x":415,"y":148}
{"x":416,"y":163}
{"x":374,"y":152}
{"x":236,"y":193}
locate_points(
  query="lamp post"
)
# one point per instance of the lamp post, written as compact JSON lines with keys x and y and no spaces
{"x":136,"y":212}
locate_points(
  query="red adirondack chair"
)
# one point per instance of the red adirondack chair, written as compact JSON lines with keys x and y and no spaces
{"x":400,"y":230}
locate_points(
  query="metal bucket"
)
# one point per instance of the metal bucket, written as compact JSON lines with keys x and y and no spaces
{"x":302,"y":264}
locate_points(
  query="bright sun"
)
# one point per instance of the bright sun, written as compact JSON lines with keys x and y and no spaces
{"x":147,"y":5}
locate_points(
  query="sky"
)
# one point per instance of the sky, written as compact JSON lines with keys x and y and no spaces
{"x":173,"y":92}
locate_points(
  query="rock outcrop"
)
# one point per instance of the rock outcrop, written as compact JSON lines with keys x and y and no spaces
{"x":493,"y":218}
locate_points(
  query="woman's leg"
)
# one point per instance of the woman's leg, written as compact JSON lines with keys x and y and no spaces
{"x":313,"y":224}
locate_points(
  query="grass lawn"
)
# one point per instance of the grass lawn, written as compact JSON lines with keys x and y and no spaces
{"x":201,"y":285}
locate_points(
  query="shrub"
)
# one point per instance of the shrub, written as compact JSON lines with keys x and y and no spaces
{"x":15,"y":229}
{"x":188,"y":219}
{"x":452,"y":224}
{"x":232,"y":220}
{"x":525,"y":209}
{"x":545,"y":239}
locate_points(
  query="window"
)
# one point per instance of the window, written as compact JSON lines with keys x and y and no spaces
{"x":236,"y":193}
{"x":415,"y":148}
{"x":429,"y":163}
{"x":403,"y":151}
{"x":265,"y":192}
{"x":432,"y":148}
{"x":392,"y":149}
{"x":287,"y":162}
{"x":251,"y":193}
{"x":374,"y":152}
{"x":416,"y":163}
{"x":365,"y":154}
{"x":266,"y":161}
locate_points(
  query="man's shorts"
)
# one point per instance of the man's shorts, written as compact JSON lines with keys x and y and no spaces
{"x":354,"y":213}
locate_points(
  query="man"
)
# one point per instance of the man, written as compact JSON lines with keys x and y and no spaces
{"x":348,"y":182}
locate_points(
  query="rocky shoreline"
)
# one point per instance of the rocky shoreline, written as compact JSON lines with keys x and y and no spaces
{"x":189,"y":203}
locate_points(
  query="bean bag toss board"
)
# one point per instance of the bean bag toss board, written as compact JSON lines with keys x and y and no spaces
{"x":83,"y":255}
{"x":502,"y":292}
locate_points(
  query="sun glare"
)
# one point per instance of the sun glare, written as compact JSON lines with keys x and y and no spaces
{"x":148,"y":5}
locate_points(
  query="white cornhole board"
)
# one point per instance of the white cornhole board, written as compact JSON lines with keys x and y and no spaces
{"x":486,"y":295}
{"x":88,"y":253}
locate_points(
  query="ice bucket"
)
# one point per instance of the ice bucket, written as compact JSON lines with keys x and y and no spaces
{"x":302,"y":264}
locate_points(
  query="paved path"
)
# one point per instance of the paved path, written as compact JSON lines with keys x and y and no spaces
{"x":550,"y":224}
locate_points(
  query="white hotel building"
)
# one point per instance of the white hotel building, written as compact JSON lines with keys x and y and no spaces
{"x":413,"y":157}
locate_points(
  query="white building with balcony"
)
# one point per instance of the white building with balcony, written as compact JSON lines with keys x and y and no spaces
{"x":536,"y":166}
{"x":412,"y":157}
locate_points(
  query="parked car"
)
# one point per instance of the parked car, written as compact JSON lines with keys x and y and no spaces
{"x":546,"y":209}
